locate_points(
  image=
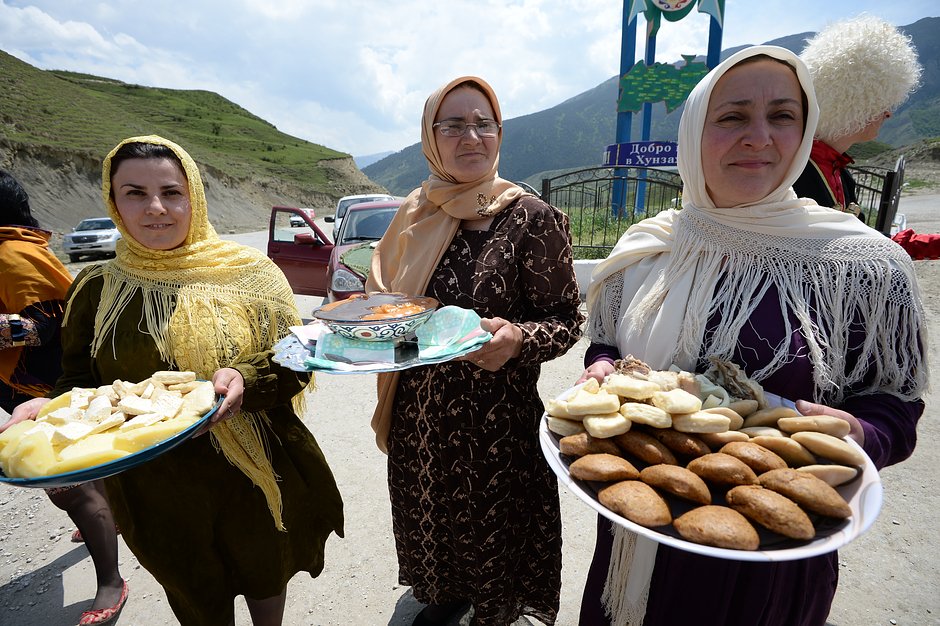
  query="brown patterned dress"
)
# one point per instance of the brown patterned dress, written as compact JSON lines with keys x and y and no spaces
{"x":475,"y":507}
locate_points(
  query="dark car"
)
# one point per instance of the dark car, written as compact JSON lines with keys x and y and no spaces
{"x":94,"y":237}
{"x":301,"y":252}
{"x":348,"y":267}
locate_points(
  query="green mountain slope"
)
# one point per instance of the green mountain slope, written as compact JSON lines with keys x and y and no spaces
{"x":575,"y":133}
{"x":60,"y":116}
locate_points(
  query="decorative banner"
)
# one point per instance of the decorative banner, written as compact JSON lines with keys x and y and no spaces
{"x":659,"y":82}
{"x":641,"y":154}
{"x":672,"y":10}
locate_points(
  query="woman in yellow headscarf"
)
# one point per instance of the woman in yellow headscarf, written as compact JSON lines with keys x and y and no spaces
{"x":242,"y":510}
{"x":474,"y":506}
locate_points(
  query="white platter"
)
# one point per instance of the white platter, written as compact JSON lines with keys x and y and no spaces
{"x":864,"y":495}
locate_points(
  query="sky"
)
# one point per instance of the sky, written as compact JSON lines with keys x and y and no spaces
{"x":353,"y":75}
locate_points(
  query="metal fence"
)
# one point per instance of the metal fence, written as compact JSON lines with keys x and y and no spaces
{"x":602,"y":202}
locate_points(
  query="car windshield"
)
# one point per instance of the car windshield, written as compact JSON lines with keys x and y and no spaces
{"x":97,"y":224}
{"x":365,"y":225}
{"x":345,"y":204}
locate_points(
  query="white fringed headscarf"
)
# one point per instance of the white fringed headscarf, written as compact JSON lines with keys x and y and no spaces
{"x":830,"y":270}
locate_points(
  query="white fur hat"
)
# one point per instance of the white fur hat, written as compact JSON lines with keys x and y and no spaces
{"x":861,"y":67}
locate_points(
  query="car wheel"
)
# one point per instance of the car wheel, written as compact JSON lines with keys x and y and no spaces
{"x":74,"y":258}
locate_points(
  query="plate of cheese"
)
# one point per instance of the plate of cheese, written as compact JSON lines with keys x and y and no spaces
{"x":91,"y":433}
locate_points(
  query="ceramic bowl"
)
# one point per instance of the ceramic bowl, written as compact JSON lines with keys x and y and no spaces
{"x":348,"y":318}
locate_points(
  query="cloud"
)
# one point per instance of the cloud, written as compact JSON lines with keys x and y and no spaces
{"x":353,"y":74}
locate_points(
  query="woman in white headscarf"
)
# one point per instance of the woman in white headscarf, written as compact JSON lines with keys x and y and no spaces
{"x":809,"y":301}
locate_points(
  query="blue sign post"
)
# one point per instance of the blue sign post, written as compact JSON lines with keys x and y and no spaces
{"x":641,"y":154}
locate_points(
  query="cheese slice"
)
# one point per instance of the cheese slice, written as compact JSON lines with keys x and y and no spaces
{"x":140,"y":438}
{"x":33,"y":457}
{"x":80,"y":397}
{"x":69,"y":433}
{"x":56,"y":403}
{"x":62,"y":415}
{"x":90,"y":444}
{"x":139,"y":421}
{"x":98,"y":409}
{"x":85,"y":461}
{"x":134,"y":405}
{"x":112,"y":421}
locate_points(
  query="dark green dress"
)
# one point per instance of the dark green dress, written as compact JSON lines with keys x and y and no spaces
{"x":190,"y":517}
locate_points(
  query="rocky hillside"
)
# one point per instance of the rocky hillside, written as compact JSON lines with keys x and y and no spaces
{"x":65,"y":187}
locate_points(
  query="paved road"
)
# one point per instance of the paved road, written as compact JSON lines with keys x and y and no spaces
{"x":891,"y":573}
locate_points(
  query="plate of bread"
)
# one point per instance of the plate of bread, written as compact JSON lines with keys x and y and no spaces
{"x":710,"y":463}
{"x":91,"y":433}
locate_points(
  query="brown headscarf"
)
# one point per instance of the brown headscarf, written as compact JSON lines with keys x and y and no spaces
{"x":425,"y":224}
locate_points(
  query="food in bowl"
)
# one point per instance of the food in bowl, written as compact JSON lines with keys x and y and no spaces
{"x":377,"y":316}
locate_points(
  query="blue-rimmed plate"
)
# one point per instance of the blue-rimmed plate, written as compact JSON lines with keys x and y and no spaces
{"x":116,"y":466}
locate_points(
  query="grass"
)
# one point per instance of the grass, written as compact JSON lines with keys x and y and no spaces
{"x":84,"y":114}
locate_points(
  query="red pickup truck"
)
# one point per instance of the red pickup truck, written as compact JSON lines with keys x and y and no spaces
{"x":298,"y":246}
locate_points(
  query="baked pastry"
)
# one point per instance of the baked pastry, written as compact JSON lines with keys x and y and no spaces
{"x":768,"y":417}
{"x":788,"y":449}
{"x":636,"y":501}
{"x":563,"y":427}
{"x":835,"y":426}
{"x":701,"y":422}
{"x":603,"y":467}
{"x":683,"y":444}
{"x":771,"y":510}
{"x":831,"y":474}
{"x":678,"y":481}
{"x":582,"y":443}
{"x":716,"y":440}
{"x":832,"y":448}
{"x":723,"y":469}
{"x":718,"y":526}
{"x":645,"y":448}
{"x":810,"y":492}
{"x":757,"y":457}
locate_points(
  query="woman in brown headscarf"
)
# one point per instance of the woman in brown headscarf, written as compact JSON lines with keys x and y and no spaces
{"x":474,"y":506}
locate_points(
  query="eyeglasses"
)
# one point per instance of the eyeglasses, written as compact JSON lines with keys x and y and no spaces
{"x":458,"y":128}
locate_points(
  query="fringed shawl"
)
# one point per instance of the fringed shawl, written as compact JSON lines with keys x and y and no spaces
{"x":684,"y":268}
{"x":207,"y":304}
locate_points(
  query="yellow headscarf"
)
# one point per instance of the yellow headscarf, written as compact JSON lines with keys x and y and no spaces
{"x":207,"y":304}
{"x":425,"y":224}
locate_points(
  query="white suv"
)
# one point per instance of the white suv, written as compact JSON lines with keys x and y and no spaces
{"x":95,"y":236}
{"x":347,"y":201}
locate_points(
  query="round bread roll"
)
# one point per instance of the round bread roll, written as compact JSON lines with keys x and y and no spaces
{"x":583,"y":443}
{"x":723,"y":469}
{"x":762,"y":431}
{"x":757,"y":457}
{"x":718,"y":526}
{"x":832,"y":448}
{"x":603,"y":467}
{"x":645,"y":448}
{"x":700,"y":422}
{"x":735,"y":421}
{"x":808,"y":491}
{"x":744,"y":407}
{"x":768,"y":417}
{"x":605,"y":426}
{"x":788,"y":449}
{"x":636,"y":501}
{"x":771,"y":510}
{"x":835,"y":426}
{"x":716,"y":440}
{"x":834,"y":475}
{"x":678,"y":481}
{"x":683,"y":444}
